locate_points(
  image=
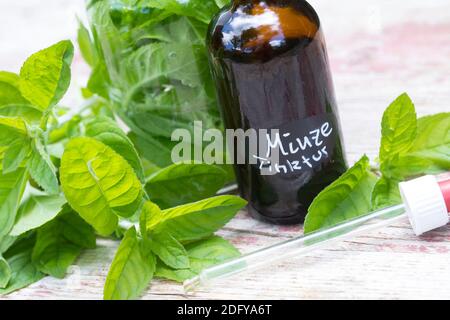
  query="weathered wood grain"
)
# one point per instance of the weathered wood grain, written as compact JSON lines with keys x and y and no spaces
{"x":378,"y":49}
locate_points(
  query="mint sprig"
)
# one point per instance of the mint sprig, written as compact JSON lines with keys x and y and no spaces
{"x":409,"y":147}
{"x":83,"y":175}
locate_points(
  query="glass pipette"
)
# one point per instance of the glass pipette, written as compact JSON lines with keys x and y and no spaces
{"x":426,"y":202}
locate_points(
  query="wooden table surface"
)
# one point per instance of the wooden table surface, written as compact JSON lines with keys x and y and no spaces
{"x":378,"y":49}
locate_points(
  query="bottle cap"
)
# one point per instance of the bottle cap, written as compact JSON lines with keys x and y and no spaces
{"x":425,"y":204}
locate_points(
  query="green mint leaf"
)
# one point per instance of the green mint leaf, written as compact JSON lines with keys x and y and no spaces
{"x":385,"y":193}
{"x":183,"y":63}
{"x":36,"y":211}
{"x":23,"y":271}
{"x":42,"y":169}
{"x":155,"y":149}
{"x":87,"y":48}
{"x":346,"y":198}
{"x":131,"y":270}
{"x":193,"y":221}
{"x":433,"y":140}
{"x":6,"y":242}
{"x":179,"y":30}
{"x":429,"y":152}
{"x":169,"y":250}
{"x":202,"y":254}
{"x":76,"y":230}
{"x":178,"y":275}
{"x":45,"y":76}
{"x":27,"y":112}
{"x":12,"y":130}
{"x":99,"y":80}
{"x":15,"y":155}
{"x":5,"y":273}
{"x":12,"y":186}
{"x":149,"y":217}
{"x":9,"y":89}
{"x":99,"y":184}
{"x":52,"y":255}
{"x":202,"y":10}
{"x":398,"y":128}
{"x":107,"y":131}
{"x":184,"y":183}
{"x":59,"y":243}
{"x":222,"y":3}
{"x":149,"y":167}
{"x":400,"y":168}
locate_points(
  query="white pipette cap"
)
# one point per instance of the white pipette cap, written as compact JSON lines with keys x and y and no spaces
{"x":425,"y":203}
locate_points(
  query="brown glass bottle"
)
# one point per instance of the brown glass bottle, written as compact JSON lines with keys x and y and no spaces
{"x":270,"y":65}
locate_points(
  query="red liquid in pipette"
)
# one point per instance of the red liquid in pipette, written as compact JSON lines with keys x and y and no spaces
{"x":445,"y":188}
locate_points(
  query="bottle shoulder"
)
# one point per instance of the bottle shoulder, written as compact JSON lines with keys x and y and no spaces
{"x":261,"y":28}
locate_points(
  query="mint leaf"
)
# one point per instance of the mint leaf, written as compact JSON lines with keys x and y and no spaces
{"x":99,"y":80}
{"x":198,"y":9}
{"x":12,"y":186}
{"x":169,"y":250}
{"x":45,"y":76}
{"x":202,"y":254}
{"x":193,"y":221}
{"x":86,"y":46}
{"x":398,"y":128}
{"x":429,"y":151}
{"x":12,"y":103}
{"x":131,"y":270}
{"x":27,"y":112}
{"x":36,"y":211}
{"x":158,"y":150}
{"x":53,"y":255}
{"x":385,"y":193}
{"x":183,"y":63}
{"x":401,"y":168}
{"x":15,"y":155}
{"x":99,"y":184}
{"x":75,"y":229}
{"x":6,"y":242}
{"x":107,"y":131}
{"x":433,"y":140}
{"x":222,"y":3}
{"x":9,"y":89}
{"x":41,"y":168}
{"x":150,"y":216}
{"x":12,"y":130}
{"x":184,"y":183}
{"x":23,"y":271}
{"x":59,"y":243}
{"x":346,"y":198}
{"x":5,"y":273}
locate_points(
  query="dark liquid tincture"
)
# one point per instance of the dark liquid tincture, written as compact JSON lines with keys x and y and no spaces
{"x":270,"y":65}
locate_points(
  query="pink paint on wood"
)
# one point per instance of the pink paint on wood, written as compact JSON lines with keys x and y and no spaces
{"x":413,"y":248}
{"x":408,"y":46}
